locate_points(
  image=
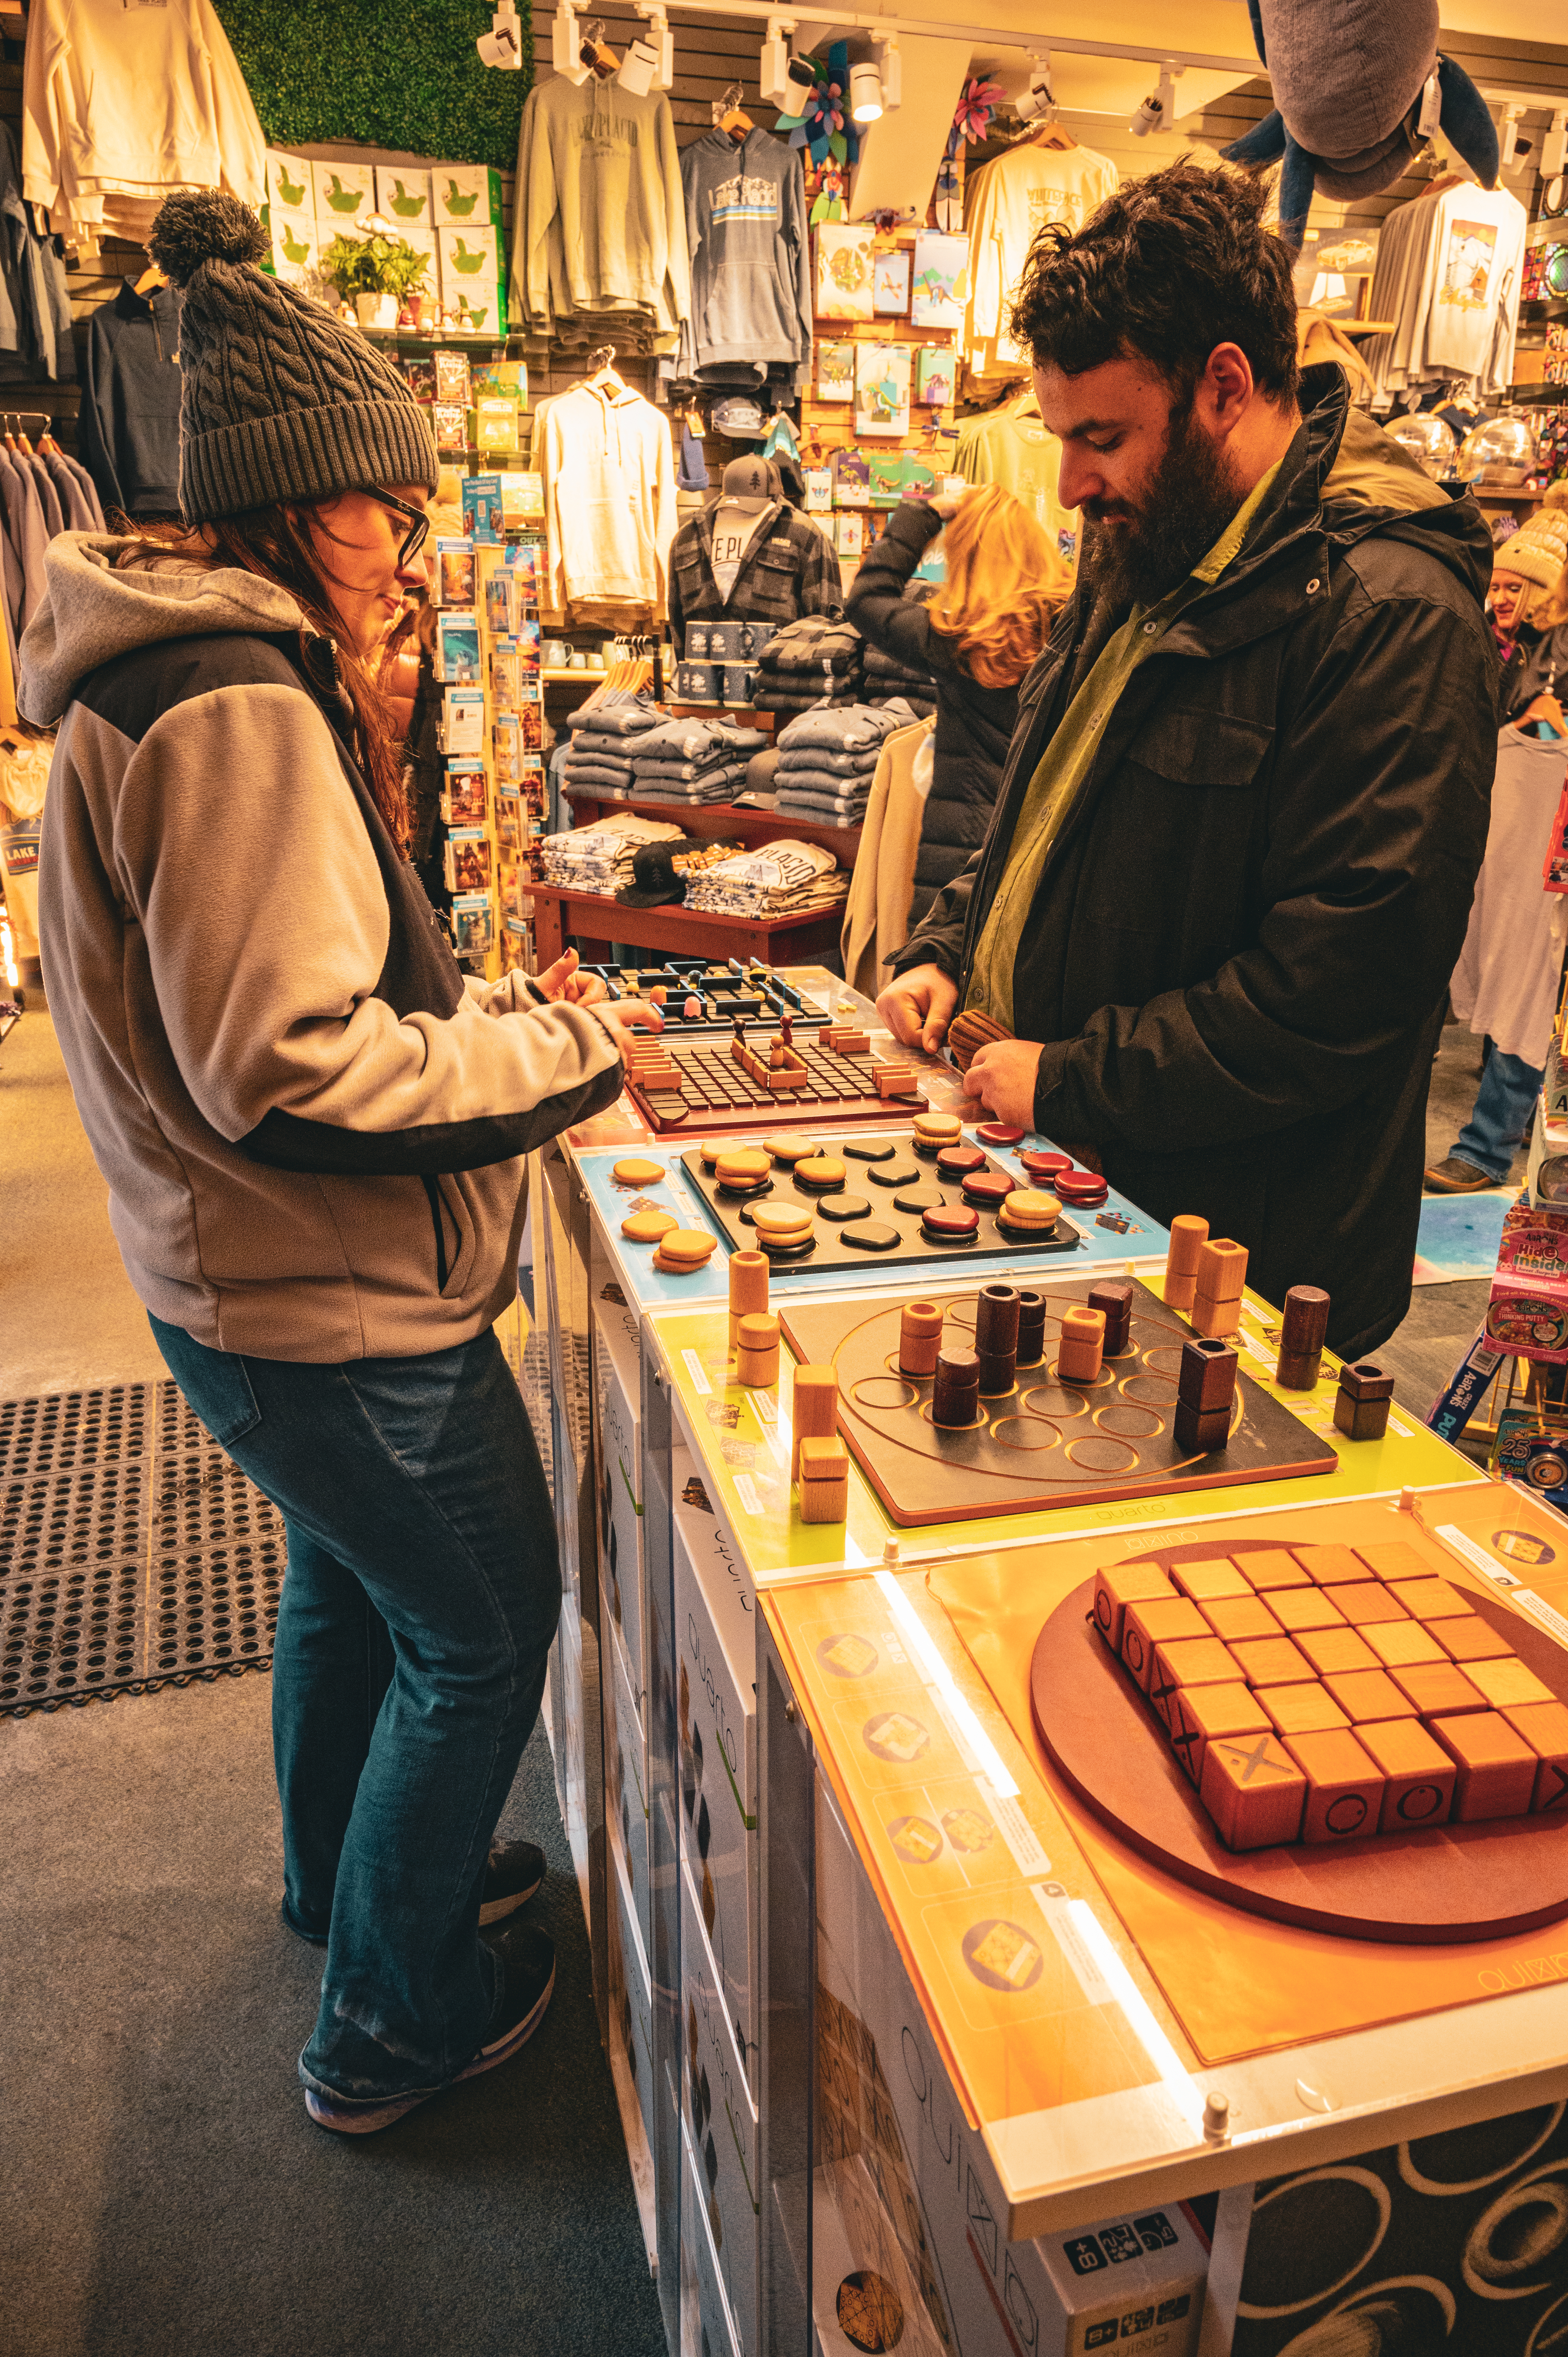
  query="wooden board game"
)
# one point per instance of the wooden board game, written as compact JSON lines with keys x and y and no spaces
{"x":1485,"y":1876}
{"x":887,"y":1197}
{"x":721,"y":991}
{"x":1049,"y":1442}
{"x":709,"y":1092}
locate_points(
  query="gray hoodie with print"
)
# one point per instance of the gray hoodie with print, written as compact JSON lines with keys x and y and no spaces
{"x":751,"y":260}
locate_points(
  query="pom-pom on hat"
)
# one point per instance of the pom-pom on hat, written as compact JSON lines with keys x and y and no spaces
{"x":280,"y":400}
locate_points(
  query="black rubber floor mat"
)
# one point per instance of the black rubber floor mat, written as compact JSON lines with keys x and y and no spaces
{"x":133,"y":1554}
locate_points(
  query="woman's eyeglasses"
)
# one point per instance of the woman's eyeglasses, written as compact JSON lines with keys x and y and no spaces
{"x":419,"y":523}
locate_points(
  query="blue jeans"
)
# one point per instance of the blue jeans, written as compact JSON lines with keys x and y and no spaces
{"x":421,"y":1596}
{"x":1504,"y":1102}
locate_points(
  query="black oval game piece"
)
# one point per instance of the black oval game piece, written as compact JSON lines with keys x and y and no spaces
{"x":746,"y":1196}
{"x":901,"y":1174}
{"x":872,"y":1235}
{"x":869,"y":1149}
{"x":919,"y":1199}
{"x":776,"y":1251}
{"x":842,"y":1208}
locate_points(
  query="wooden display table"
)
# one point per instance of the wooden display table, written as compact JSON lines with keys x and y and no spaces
{"x":592,"y":920}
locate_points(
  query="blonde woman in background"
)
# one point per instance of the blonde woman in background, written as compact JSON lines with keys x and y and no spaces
{"x":1529,"y":606}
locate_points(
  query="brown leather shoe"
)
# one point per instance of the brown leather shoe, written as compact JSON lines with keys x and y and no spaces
{"x":1454,"y":1176}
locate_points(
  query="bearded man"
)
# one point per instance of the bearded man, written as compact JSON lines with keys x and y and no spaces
{"x":1233,"y":853}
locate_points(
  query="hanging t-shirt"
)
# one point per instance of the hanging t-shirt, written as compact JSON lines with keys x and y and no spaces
{"x":1478,"y":254}
{"x":1006,"y":204}
{"x":1019,"y":452}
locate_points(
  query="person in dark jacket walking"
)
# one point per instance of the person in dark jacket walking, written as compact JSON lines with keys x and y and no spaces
{"x":1235,"y":848}
{"x":978,"y":636}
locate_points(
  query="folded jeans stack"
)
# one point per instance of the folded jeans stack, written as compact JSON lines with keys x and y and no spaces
{"x":693,"y":760}
{"x":827,"y":761}
{"x":811,"y":662}
{"x":603,"y":735}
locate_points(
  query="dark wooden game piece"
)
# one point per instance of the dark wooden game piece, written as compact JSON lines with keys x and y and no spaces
{"x":1366,"y":1694}
{"x":958,"y":1161}
{"x":919,"y":1199}
{"x":1198,"y":1715}
{"x":1113,"y":1297}
{"x":1367,"y":1599}
{"x":986,"y":1189}
{"x":1301,"y":1710}
{"x":996,"y":1338}
{"x":1200,"y":1430}
{"x":1304,"y":1610}
{"x":1210,"y":1579}
{"x":871,"y":1236}
{"x":954,"y":1223}
{"x":786,"y":1029}
{"x":1031,"y":1329}
{"x":1118,"y":1586}
{"x":1188,"y":1236}
{"x":1234,"y":1617}
{"x":998,"y":1133}
{"x":920,"y":1338}
{"x":869,"y":1149}
{"x":1438,"y":1689}
{"x":1361,"y":1403}
{"x":1207,"y":1374}
{"x":815,"y":1410}
{"x":1044,"y":1165}
{"x":1301,"y":1336}
{"x":841,"y":1209}
{"x":1254,"y":1790}
{"x":1335,"y":1653}
{"x":1497,"y":1767}
{"x":1345,"y":1788}
{"x":1085,"y":1188}
{"x":955,"y":1396}
{"x":1544,"y":1726}
{"x":747,"y":1289}
{"x":1162,"y":1621}
{"x":896,"y":1174}
{"x":1470,"y":1639}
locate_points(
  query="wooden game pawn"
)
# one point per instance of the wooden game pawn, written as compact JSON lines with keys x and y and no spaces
{"x":747,"y":1290}
{"x":1082,"y":1345}
{"x":1114,"y":1299}
{"x":920,"y":1338}
{"x":1188,"y":1236}
{"x":815,"y":1410}
{"x":996,"y":1338}
{"x":756,"y":1352}
{"x":1031,"y":1329}
{"x":825,"y":1481}
{"x":955,"y":1397}
{"x":1301,"y":1336}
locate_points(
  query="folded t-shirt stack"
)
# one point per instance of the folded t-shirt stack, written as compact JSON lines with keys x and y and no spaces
{"x":597,"y":859}
{"x":778,"y":879}
{"x":603,"y":735}
{"x":808,"y":662}
{"x":693,"y":760}
{"x":827,"y":760}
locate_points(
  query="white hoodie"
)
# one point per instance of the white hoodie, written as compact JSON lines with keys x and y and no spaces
{"x":609,"y":496}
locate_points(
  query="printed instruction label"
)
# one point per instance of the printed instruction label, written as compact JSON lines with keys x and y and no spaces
{"x":698,"y":1374}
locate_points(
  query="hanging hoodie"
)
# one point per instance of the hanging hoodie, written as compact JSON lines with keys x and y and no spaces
{"x":751,"y":264}
{"x":129,"y":424}
{"x":35,"y":303}
{"x":609,"y":496}
{"x":598,"y":218}
{"x":311,"y":1130}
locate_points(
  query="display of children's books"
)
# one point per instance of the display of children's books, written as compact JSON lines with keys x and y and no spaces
{"x":482,"y":507}
{"x":835,"y":372}
{"x":465,"y":794}
{"x":420,"y":378}
{"x":890,"y":284}
{"x":457,"y":650}
{"x":844,"y":270}
{"x":450,"y":423}
{"x":453,"y":582}
{"x":940,"y":291}
{"x":882,"y":376}
{"x":452,"y":381}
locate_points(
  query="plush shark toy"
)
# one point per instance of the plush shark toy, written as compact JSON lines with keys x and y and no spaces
{"x":1348,"y":79}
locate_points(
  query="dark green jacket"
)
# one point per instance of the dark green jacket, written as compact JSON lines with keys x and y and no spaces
{"x":1240,"y":948}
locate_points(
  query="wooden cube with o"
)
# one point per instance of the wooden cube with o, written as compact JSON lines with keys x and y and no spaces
{"x":1188,"y":1662}
{"x":1344,"y":1785}
{"x":1419,"y":1774}
{"x":1119,"y":1585}
{"x":824,"y":1481}
{"x":1161,"y":1622}
{"x":1254,"y":1790}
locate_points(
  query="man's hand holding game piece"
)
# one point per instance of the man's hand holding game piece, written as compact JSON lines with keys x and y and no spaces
{"x":563,"y":980}
{"x":1003,"y":1076}
{"x":623,"y":1017}
{"x":918,"y":1006}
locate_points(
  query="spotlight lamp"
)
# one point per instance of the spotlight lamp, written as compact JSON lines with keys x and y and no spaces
{"x":1037,"y":103}
{"x":783,"y":81}
{"x":502,"y":45}
{"x":865,"y":92}
{"x":1157,"y":111}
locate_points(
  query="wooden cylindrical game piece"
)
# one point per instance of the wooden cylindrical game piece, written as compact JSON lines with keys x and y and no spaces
{"x":1302,"y":1338}
{"x":757,"y":1351}
{"x":1188,"y":1236}
{"x":1081,"y":1347}
{"x":955,"y":1400}
{"x":815,"y":1410}
{"x":1031,"y":1329}
{"x":920,"y":1338}
{"x":996,"y":1338}
{"x":747,"y":1289}
{"x":1113,"y":1298}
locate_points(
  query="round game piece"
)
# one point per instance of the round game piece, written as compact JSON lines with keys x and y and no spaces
{"x":988,"y":1188}
{"x":919,"y":1337}
{"x":635,"y":1172}
{"x":1085,"y":1186}
{"x":743,"y":1190}
{"x":896,"y":1174}
{"x":955,"y":1396}
{"x":743,"y":1164}
{"x":785,"y":1148}
{"x":841,"y":1209}
{"x":871,"y":1236}
{"x":939,"y":1127}
{"x":958,"y":1161}
{"x":692,"y":1010}
{"x":1029,"y":1206}
{"x":782,"y":1219}
{"x":658,"y":994}
{"x":687,"y":1247}
{"x":821,"y":1170}
{"x":647,"y":1227}
{"x":955,"y":1223}
{"x":1044,"y":1165}
{"x":919,"y":1199}
{"x":1031,"y":1329}
{"x":710,"y":1151}
{"x":998,"y":1133}
{"x":869,"y":1149}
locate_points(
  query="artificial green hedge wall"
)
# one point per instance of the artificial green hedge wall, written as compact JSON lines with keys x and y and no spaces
{"x":386,"y":73}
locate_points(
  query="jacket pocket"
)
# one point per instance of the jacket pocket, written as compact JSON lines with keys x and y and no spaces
{"x":454,"y":1234}
{"x":1170,"y":840}
{"x":1189,"y":747}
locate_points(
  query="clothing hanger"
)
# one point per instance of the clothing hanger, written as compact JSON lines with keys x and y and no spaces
{"x":728,"y":115}
{"x":603,"y":377}
{"x":1056,"y":136}
{"x":150,"y":281}
{"x":596,"y":53}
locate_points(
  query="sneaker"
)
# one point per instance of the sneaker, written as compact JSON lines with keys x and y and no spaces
{"x":1454,"y":1176}
{"x":527,"y":1958}
{"x":513,"y":1872}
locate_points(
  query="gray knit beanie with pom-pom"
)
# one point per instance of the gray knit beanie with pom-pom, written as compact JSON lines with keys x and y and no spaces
{"x":280,"y":400}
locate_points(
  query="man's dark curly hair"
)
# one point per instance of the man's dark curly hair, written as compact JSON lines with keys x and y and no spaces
{"x":1167,"y":268}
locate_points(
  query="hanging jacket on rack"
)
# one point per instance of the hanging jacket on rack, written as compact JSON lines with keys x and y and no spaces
{"x":26,"y":533}
{"x":129,"y":402}
{"x":609,"y":496}
{"x":79,"y":500}
{"x":35,"y":303}
{"x":598,"y":216}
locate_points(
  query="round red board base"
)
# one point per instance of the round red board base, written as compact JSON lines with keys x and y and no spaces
{"x":1481,"y":1881}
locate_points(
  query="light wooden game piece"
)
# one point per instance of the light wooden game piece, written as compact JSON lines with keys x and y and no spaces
{"x":1199,"y":1713}
{"x":1394,"y":1559}
{"x":1272,"y":1661}
{"x":1300,"y":1710}
{"x":1215,"y":1319}
{"x":1361,"y":1403}
{"x":747,"y":1289}
{"x":1421,"y":1779}
{"x":684,"y":1251}
{"x":1329,"y":1567}
{"x":1301,"y":1336}
{"x":1119,"y":1585}
{"x":1430,"y":1599}
{"x":815,"y":1410}
{"x":1364,"y":1600}
{"x":1336,"y":1651}
{"x":1254,"y":1790}
{"x":1508,"y":1684}
{"x":824,"y":1481}
{"x":757,"y":1351}
{"x":741,"y":1166}
{"x":634,"y":1171}
{"x":1189,"y":1661}
{"x":821,"y":1171}
{"x":893,"y":1079}
{"x":1544,"y":1726}
{"x":1221,"y":1271}
{"x":784,"y":1147}
{"x":1213,"y":1577}
{"x":1160,"y":1622}
{"x":784,"y":1222}
{"x":1497,"y":1767}
{"x":1080,"y":1346}
{"x":1364,"y":1694}
{"x":1300,"y":1608}
{"x":647,"y":1227}
{"x":1398,"y":1643}
{"x":1029,"y":1209}
{"x":1232,"y":1618}
{"x":1471,"y":1639}
{"x":1345,"y":1786}
{"x":920,"y":1338}
{"x":1271,"y":1567}
{"x":1188,"y":1236}
{"x":937,"y":1128}
{"x":1438,"y":1689}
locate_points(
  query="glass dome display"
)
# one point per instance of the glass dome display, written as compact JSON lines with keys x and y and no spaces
{"x":1431,"y":441}
{"x":1501,"y":451}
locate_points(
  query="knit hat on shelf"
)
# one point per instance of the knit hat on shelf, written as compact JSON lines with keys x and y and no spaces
{"x":280,"y":400}
{"x":1538,"y":551}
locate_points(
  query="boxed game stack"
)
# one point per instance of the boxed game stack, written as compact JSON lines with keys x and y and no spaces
{"x":467,"y":205}
{"x":514,"y":709}
{"x":467,"y":799}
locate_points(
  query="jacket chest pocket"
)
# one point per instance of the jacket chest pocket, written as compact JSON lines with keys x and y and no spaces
{"x":698,"y":602}
{"x":774,"y":593}
{"x":1171,"y":838}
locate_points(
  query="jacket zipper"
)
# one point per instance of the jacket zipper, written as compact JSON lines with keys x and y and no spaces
{"x":437,"y":1208}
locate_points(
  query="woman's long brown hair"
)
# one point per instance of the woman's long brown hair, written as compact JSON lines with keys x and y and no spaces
{"x":274,"y":543}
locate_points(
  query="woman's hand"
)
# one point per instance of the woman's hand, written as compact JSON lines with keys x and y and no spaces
{"x":623,"y":1018}
{"x":950,"y":502}
{"x":562,"y":980}
{"x":1547,"y":708}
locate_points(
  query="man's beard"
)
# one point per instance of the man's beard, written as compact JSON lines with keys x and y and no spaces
{"x":1189,"y":499}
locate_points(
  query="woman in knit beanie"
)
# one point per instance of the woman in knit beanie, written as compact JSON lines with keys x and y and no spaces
{"x":1529,"y":604}
{"x":313,"y":1132}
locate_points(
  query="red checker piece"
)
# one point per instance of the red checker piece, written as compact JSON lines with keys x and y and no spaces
{"x":998,"y":1133}
{"x":987,"y":1187}
{"x":958,"y":1161}
{"x":952,"y":1219}
{"x":1043,"y":1165}
{"x":1085,"y":1186}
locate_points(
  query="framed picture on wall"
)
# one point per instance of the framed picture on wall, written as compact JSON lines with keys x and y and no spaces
{"x":890,"y":284}
{"x":844,"y":270}
{"x":882,"y":389}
